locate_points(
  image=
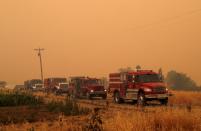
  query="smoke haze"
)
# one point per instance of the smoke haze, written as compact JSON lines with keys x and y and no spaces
{"x":96,"y":37}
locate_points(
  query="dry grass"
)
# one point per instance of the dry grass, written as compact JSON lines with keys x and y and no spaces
{"x":161,"y":119}
{"x":171,"y":118}
{"x":155,"y":119}
{"x":182,"y":97}
{"x":158,"y":118}
{"x":62,"y":124}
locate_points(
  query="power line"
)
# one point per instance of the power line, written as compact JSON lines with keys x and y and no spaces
{"x":167,"y":19}
{"x":40,"y":57}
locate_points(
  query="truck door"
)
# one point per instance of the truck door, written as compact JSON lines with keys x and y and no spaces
{"x":131,"y":92}
{"x":124,"y":85}
{"x":78,"y":87}
{"x":82,"y":88}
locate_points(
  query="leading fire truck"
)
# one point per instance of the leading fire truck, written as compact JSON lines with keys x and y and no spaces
{"x":140,"y":86}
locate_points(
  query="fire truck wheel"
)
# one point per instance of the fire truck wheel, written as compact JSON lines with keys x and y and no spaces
{"x":117,"y":98}
{"x":88,"y":96}
{"x":104,"y":97}
{"x":134,"y":101}
{"x":71,"y":95}
{"x":141,"y":99}
{"x":57,"y":92}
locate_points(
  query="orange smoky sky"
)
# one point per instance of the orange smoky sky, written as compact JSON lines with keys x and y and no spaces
{"x":97,"y":37}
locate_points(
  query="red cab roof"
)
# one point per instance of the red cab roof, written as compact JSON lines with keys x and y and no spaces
{"x":141,"y":72}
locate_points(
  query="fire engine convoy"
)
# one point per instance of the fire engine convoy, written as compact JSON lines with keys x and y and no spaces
{"x":56,"y":85}
{"x":139,"y":86}
{"x":85,"y":87}
{"x":34,"y":84}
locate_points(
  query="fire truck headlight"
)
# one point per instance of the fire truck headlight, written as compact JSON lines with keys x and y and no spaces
{"x":105,"y":90}
{"x":57,"y":87}
{"x":147,"y":90}
{"x":166,"y":89}
{"x":91,"y":91}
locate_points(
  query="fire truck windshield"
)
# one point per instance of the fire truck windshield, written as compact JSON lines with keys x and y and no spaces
{"x":63,"y":85}
{"x":36,"y":81}
{"x":146,"y":78}
{"x":92,"y":82}
{"x":60,"y":80}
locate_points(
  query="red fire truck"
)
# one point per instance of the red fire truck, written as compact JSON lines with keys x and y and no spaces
{"x":86,"y":87}
{"x":56,"y":84}
{"x":34,"y":84}
{"x":140,"y":86}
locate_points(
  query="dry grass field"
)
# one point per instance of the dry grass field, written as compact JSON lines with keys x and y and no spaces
{"x":182,"y":114}
{"x":159,"y":119}
{"x":183,"y":98}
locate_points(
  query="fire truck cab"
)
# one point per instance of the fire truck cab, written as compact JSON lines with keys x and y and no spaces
{"x":86,"y":87}
{"x":140,"y":86}
{"x":57,"y":85}
{"x":34,"y":84}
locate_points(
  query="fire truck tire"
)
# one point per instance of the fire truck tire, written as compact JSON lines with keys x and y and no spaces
{"x":141,"y":101}
{"x":88,"y":96}
{"x":56,"y":93}
{"x":104,"y":97}
{"x":117,"y":98}
{"x":164,"y":101}
{"x":72,"y":95}
{"x":134,"y":101}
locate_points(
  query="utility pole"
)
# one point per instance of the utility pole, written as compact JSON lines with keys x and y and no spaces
{"x":41,"y":66}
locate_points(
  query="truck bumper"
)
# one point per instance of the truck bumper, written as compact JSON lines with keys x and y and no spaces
{"x":156,"y":96}
{"x":98,"y":94}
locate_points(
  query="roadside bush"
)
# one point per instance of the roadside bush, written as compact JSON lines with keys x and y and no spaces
{"x":19,"y":99}
{"x":69,"y":107}
{"x":180,"y":81}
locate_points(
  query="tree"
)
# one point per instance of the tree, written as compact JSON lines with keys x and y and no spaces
{"x":125,"y":69}
{"x":180,"y":81}
{"x":104,"y":82}
{"x":3,"y":84}
{"x":160,"y":72}
{"x":138,"y":67}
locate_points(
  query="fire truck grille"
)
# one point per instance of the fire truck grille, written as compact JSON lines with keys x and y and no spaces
{"x":159,"y":89}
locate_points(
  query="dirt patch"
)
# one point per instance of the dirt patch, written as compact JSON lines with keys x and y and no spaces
{"x":22,"y":114}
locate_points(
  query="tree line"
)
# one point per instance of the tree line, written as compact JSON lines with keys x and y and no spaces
{"x":3,"y":84}
{"x":181,"y":81}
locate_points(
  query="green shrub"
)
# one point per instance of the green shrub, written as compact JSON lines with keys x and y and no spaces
{"x":19,"y":99}
{"x":69,"y":107}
